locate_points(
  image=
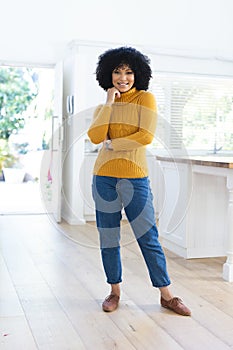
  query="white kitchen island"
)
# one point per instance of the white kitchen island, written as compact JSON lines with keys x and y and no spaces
{"x":195,"y":205}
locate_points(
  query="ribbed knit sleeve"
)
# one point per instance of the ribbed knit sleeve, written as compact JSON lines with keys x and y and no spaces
{"x":146,"y":125}
{"x":99,"y":127}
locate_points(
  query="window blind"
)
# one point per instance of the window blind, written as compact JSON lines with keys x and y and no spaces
{"x":194,"y":112}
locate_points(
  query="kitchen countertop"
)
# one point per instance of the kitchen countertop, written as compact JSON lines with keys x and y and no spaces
{"x":209,"y":160}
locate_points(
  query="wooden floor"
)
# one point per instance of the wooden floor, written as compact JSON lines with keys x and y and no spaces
{"x":52,"y":286}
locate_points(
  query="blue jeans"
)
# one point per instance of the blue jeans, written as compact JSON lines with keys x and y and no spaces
{"x":134,"y":195}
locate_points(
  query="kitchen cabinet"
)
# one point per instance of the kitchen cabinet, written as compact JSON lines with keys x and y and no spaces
{"x":89,"y":206}
{"x":196,"y":209}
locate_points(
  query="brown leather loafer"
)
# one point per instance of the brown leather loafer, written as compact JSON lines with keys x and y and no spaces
{"x":176,"y":305}
{"x":111,"y":303}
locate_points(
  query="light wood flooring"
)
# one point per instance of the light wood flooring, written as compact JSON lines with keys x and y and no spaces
{"x":52,"y":285}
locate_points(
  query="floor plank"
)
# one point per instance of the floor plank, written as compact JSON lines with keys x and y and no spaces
{"x":16,"y":334}
{"x":14,"y":329}
{"x":53,"y":284}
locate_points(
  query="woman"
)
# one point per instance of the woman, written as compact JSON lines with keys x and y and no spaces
{"x":125,"y":124}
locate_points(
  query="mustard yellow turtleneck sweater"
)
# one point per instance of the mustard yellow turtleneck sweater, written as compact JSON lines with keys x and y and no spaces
{"x":130,"y":123}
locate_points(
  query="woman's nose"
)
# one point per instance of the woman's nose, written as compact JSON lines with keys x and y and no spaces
{"x":123,"y":76}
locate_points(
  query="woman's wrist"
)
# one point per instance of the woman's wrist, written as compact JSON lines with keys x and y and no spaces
{"x":108,"y":103}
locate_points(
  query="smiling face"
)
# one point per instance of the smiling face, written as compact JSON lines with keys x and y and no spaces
{"x":123,"y":78}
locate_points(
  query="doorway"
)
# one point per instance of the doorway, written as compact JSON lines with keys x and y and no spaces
{"x":29,"y":135}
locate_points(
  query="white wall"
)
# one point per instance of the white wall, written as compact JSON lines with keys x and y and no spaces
{"x":38,"y":32}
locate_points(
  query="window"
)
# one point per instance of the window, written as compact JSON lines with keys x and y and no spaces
{"x":195,"y":112}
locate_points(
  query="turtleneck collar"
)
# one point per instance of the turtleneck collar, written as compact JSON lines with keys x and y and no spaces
{"x":128,"y":96}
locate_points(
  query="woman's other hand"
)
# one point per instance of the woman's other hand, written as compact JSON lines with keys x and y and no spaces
{"x":108,"y":144}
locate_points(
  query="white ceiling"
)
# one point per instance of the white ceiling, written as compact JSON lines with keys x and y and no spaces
{"x":38,"y":32}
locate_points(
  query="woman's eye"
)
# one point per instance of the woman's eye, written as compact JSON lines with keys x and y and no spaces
{"x":127,"y":73}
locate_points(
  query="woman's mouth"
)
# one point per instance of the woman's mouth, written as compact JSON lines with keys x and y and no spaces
{"x":123,"y":84}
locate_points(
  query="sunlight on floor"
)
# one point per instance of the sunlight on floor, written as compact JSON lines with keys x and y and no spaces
{"x":24,"y":198}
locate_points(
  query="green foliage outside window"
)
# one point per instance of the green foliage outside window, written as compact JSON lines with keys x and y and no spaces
{"x":18,"y":87}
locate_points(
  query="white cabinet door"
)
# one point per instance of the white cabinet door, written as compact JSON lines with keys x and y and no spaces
{"x":152,"y":168}
{"x":172,"y":223}
{"x":89,"y":206}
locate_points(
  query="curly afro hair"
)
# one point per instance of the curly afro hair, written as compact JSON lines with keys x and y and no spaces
{"x":113,"y":58}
